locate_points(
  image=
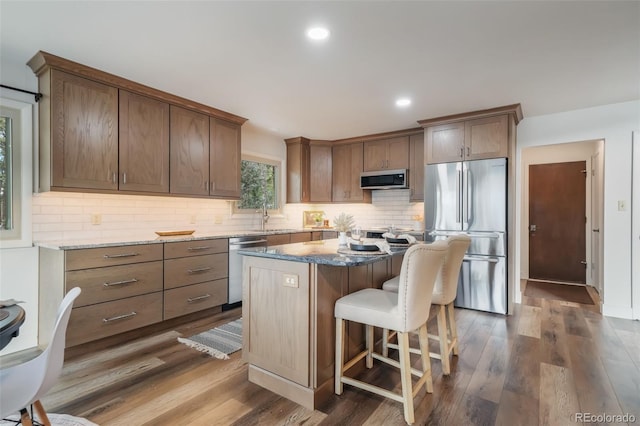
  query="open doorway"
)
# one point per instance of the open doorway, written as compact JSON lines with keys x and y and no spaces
{"x":587,"y":159}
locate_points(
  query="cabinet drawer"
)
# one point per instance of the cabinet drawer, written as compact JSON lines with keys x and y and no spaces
{"x":300,"y":237}
{"x":114,"y":282}
{"x":277,"y":239}
{"x":106,"y":319}
{"x":196,"y":269}
{"x":185,"y":300}
{"x":195,"y":248}
{"x":109,"y":256}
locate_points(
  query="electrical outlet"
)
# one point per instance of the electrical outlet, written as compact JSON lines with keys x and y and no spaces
{"x":96,"y":218}
{"x":622,"y":205}
{"x":193,"y":219}
{"x":217,"y":219}
{"x":290,"y":280}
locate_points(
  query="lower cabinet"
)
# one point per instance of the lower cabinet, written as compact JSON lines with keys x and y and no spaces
{"x":192,"y":298}
{"x":130,"y":286}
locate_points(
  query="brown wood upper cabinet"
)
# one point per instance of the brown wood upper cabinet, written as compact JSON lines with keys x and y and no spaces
{"x":386,"y":154}
{"x":144,"y":143}
{"x":189,"y":159}
{"x":224,"y":159}
{"x":486,"y":137}
{"x":309,"y":165}
{"x":205,"y":155}
{"x":416,"y":167}
{"x":104,"y":133}
{"x":80,"y":117}
{"x":347,"y":166}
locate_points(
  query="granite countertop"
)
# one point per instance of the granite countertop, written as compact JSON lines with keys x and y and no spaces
{"x":152,"y":238}
{"x":323,"y":252}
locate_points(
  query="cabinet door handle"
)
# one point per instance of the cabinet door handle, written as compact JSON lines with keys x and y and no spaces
{"x":115,"y":256}
{"x":461,"y":152}
{"x":198,"y":248}
{"x":113,"y":177}
{"x":120,"y":317}
{"x":206,"y":185}
{"x":198,"y":270}
{"x":468,"y":151}
{"x":123,"y":282}
{"x":195,"y":299}
{"x":124,"y":178}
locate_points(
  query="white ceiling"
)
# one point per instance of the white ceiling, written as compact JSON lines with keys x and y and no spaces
{"x":252,"y":58}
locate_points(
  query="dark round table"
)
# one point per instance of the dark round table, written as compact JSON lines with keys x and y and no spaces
{"x":11,"y":318}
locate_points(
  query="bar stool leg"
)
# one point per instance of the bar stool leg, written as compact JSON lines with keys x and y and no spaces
{"x":369,"y":341}
{"x":42,"y":414}
{"x":424,"y":355}
{"x":339,"y":355}
{"x":453,"y":329}
{"x":25,"y":418}
{"x":444,"y":340}
{"x":405,"y":374}
{"x":385,"y":342}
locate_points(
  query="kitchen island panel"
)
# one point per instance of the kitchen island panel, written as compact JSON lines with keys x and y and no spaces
{"x":276,"y":317}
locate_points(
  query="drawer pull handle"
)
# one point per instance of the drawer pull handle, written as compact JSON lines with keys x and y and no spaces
{"x":195,"y":299}
{"x":199,"y":248}
{"x":123,"y":282}
{"x":115,"y":256}
{"x":196,"y":271}
{"x":119,"y":317}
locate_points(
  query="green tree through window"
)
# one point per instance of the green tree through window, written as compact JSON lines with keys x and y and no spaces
{"x":258,"y":184}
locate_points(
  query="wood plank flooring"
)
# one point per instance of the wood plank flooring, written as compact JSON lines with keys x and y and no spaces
{"x":539,"y":366}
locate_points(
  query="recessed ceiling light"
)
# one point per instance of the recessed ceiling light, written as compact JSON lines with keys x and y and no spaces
{"x":317,"y":33}
{"x":403,"y":102}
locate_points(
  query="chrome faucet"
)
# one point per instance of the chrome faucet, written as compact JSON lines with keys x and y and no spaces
{"x":264,"y":216}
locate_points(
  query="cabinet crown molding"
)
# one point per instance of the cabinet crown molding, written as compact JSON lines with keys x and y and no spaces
{"x":43,"y":61}
{"x":514,"y":110}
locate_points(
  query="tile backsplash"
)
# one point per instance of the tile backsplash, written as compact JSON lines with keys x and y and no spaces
{"x":73,"y":216}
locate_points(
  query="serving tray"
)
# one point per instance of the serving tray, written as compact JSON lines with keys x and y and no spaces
{"x":397,"y":240}
{"x":363,"y":247}
{"x":172,"y":233}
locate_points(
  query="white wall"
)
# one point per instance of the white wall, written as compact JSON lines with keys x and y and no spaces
{"x":614,"y":124}
{"x":636,"y":226}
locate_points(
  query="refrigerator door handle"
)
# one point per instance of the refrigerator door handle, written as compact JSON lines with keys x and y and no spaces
{"x":459,"y":190}
{"x":467,"y":196}
{"x":489,"y":259}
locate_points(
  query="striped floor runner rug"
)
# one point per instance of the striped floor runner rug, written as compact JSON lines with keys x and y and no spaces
{"x":218,"y":342}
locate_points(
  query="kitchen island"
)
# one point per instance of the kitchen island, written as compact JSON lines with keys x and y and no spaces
{"x":289,"y":293}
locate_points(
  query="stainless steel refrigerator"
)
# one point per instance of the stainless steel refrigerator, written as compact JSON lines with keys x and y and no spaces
{"x":471,"y":197}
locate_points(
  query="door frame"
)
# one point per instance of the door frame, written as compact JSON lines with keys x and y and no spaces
{"x":635,"y":226}
{"x":559,"y":153}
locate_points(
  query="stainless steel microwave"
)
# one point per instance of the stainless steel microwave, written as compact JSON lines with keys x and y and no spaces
{"x":384,"y":179}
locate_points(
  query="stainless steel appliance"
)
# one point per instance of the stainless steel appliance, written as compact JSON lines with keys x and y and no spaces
{"x":471,"y":197}
{"x":235,"y":266}
{"x":384,"y":179}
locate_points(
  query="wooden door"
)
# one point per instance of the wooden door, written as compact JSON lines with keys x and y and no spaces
{"x":224,"y":166}
{"x":189,"y":159}
{"x":144,"y":143}
{"x":356,"y":194}
{"x":375,"y":155}
{"x":416,"y":167}
{"x":341,"y":172}
{"x":557,"y":221}
{"x":84,"y":133}
{"x":487,"y":138}
{"x":444,"y":143}
{"x":398,"y":153}
{"x":320,"y":172}
{"x":298,"y":170}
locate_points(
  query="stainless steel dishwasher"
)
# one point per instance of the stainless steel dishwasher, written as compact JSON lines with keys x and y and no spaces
{"x":235,"y":266}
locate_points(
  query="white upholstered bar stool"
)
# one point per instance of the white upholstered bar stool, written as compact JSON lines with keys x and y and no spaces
{"x":404,"y":311}
{"x":444,"y":293}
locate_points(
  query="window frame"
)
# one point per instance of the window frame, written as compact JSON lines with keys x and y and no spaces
{"x":278,"y":184}
{"x":21,"y":114}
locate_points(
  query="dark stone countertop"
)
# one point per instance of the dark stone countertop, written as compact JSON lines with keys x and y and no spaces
{"x":324,"y":252}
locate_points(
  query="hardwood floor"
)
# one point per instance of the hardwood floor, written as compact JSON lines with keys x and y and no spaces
{"x":540,"y":366}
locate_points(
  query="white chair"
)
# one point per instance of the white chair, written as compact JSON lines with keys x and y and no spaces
{"x":24,"y":384}
{"x":404,"y":311}
{"x":444,"y":293}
